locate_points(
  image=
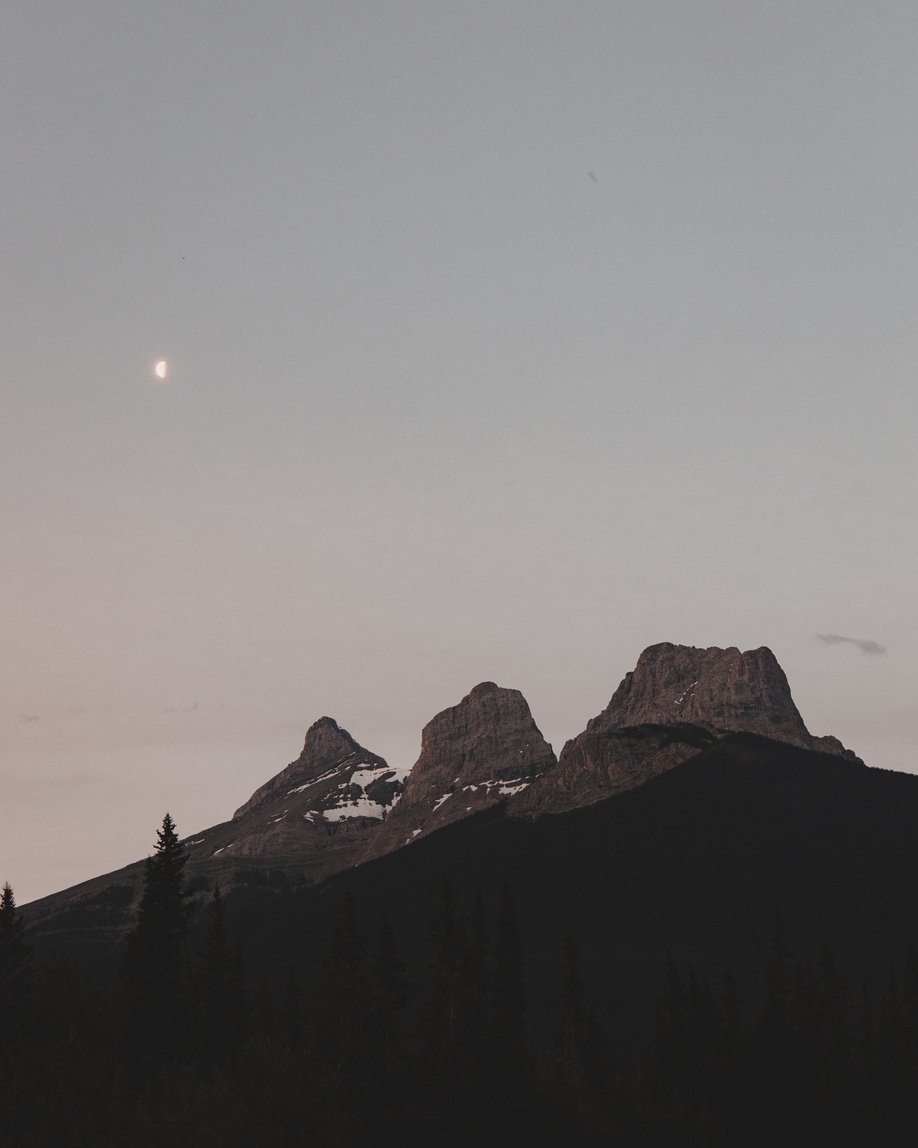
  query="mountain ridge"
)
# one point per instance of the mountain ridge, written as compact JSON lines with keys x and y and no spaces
{"x":339,"y":805}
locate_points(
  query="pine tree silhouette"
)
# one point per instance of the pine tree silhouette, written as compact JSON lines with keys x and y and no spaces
{"x":388,"y":992}
{"x":447,"y":1007}
{"x":156,"y":966}
{"x":293,"y":1012}
{"x":218,"y":1007}
{"x":572,"y":1032}
{"x":15,"y":968}
{"x":345,"y":983}
{"x":509,"y":992}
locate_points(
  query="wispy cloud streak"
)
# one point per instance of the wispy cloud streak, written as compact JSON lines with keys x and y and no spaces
{"x":865,"y":645}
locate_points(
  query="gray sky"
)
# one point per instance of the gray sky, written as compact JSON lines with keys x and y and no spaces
{"x":505,"y":339}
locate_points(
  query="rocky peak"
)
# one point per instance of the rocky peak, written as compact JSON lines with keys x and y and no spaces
{"x":677,"y":701}
{"x":719,"y":690}
{"x":474,"y":754}
{"x":327,"y":748}
{"x":325,"y":740}
{"x":338,"y":804}
{"x":315,"y":815}
{"x":490,"y":736}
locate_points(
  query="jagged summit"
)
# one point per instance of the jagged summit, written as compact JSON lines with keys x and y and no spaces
{"x":326,"y":747}
{"x":490,"y":735}
{"x":311,"y":818}
{"x":338,"y":804}
{"x":718,"y":689}
{"x":677,"y":701}
{"x":473,"y":754}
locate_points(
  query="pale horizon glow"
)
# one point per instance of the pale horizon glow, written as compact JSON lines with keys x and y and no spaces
{"x":512,"y":339}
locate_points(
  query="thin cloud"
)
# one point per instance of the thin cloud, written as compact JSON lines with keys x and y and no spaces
{"x":182,"y":709}
{"x":865,"y":645}
{"x":27,"y":719}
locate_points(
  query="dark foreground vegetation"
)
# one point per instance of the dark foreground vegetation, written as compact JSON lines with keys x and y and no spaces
{"x":190,"y":1043}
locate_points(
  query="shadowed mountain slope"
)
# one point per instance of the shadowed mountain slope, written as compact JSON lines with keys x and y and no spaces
{"x":697,"y":862}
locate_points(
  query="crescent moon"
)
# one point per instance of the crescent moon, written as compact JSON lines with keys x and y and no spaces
{"x":161,"y":369}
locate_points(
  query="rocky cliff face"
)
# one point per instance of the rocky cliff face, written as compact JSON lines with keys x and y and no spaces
{"x":473,"y":755}
{"x":718,"y":690}
{"x":677,"y":701}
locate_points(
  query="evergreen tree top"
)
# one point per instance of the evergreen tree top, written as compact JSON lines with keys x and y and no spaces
{"x":12,"y":925}
{"x":167,"y":838}
{"x":162,"y":907}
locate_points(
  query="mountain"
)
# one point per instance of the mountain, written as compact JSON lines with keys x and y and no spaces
{"x":696,"y":926}
{"x":722,"y":691}
{"x":698,"y":863}
{"x":315,"y":815}
{"x":311,"y":819}
{"x":473,"y":755}
{"x":339,"y":805}
{"x":321,"y":777}
{"x":678,"y":701}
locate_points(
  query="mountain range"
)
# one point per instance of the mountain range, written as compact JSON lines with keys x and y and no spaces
{"x":339,"y":806}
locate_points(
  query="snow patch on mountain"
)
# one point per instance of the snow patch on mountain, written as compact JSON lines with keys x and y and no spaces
{"x":360,"y":807}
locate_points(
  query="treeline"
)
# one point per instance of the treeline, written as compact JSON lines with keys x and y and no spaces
{"x":189,"y":1043}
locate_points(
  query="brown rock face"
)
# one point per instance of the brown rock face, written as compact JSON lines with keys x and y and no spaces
{"x":677,"y":701}
{"x":490,"y":736}
{"x":316,"y":814}
{"x":474,"y":754}
{"x":719,"y":690}
{"x":327,"y":747}
{"x":600,"y":763}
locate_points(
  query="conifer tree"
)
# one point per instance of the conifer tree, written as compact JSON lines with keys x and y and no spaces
{"x":346,"y":981}
{"x":578,"y":1040}
{"x":730,"y":1021}
{"x":671,"y":1028}
{"x":573,"y":1019}
{"x":265,"y":1012}
{"x":348,"y":947}
{"x":910,"y":997}
{"x":241,"y":986}
{"x":387,"y":968}
{"x":447,"y":1006}
{"x":388,"y":995}
{"x":219,"y":1017}
{"x":510,"y":1002}
{"x":480,"y":977}
{"x":293,"y":1013}
{"x":777,"y":977}
{"x":155,"y":967}
{"x":15,"y":967}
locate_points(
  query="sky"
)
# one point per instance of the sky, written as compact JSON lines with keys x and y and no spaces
{"x":504,"y":340}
